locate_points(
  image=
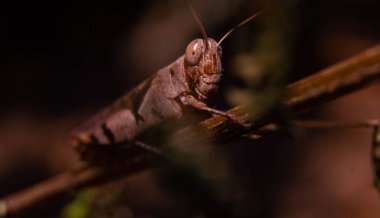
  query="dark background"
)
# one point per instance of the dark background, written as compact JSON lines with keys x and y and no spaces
{"x":60,"y":61}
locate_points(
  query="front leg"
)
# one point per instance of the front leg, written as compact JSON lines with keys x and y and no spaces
{"x":192,"y":101}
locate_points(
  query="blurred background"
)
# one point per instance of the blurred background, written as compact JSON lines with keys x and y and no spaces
{"x":61,"y":61}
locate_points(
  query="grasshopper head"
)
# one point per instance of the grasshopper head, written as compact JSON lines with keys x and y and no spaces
{"x":202,"y":60}
{"x":203,"y":66}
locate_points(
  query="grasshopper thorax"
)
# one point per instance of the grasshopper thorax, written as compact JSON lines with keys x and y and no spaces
{"x":203,"y":66}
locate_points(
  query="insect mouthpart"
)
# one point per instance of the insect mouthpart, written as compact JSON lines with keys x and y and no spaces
{"x":207,"y":85}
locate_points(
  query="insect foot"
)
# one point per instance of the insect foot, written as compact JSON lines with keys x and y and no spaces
{"x":239,"y":121}
{"x":192,"y":101}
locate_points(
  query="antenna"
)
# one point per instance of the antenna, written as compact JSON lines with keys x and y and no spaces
{"x":196,"y":17}
{"x":239,"y":25}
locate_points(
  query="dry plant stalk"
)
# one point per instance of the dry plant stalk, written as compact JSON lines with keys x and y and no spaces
{"x":310,"y":92}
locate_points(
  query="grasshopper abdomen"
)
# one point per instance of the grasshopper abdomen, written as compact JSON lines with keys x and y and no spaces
{"x":148,"y":104}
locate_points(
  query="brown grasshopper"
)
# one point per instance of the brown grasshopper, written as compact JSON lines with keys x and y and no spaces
{"x":187,"y":82}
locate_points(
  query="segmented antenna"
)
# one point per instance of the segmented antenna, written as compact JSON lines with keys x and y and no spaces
{"x":239,"y":25}
{"x":196,"y":17}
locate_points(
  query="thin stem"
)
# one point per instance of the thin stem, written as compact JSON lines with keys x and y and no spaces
{"x":325,"y":124}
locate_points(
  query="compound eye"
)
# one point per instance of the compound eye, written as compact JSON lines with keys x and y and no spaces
{"x":194,"y":52}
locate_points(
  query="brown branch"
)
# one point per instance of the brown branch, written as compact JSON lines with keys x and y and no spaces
{"x":335,"y":81}
{"x":310,"y":92}
{"x":68,"y":182}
